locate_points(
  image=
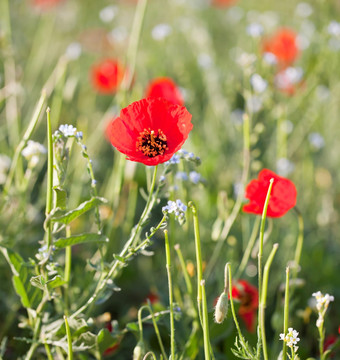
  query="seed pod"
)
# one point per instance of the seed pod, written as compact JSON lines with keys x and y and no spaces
{"x":139,"y":350}
{"x":221,"y":308}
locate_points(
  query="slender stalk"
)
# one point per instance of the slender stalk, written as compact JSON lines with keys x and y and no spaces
{"x":242,"y":340}
{"x":248,"y":249}
{"x":69,"y":339}
{"x":129,"y":244}
{"x":184,"y":269}
{"x":134,"y":41}
{"x":48,"y":352}
{"x":198,"y":258}
{"x":23,"y":142}
{"x":67,"y":271}
{"x":49,"y":178}
{"x":206,"y":338}
{"x":263,"y":222}
{"x":263,"y":300}
{"x":171,"y":304}
{"x":299,"y":243}
{"x":286,"y":315}
{"x":150,"y":353}
{"x":160,"y":342}
{"x":260,"y":254}
{"x":231,"y":219}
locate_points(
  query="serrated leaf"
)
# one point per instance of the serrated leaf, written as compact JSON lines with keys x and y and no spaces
{"x":30,"y":296}
{"x":78,"y":239}
{"x":61,"y":197}
{"x":69,"y":216}
{"x":85,"y":341}
{"x":105,"y":340}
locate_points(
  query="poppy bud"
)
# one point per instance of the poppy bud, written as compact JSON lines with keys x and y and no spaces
{"x":221,"y":308}
{"x":139,"y":350}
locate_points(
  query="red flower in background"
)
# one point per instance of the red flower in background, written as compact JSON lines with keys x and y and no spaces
{"x":283,"y":45}
{"x":223,"y":3}
{"x":248,"y":296}
{"x":150,"y":130}
{"x":166,"y":88}
{"x":282,"y":197}
{"x":45,"y":4}
{"x":107,"y":76}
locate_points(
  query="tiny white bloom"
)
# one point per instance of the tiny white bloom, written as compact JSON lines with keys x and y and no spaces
{"x":108,"y":13}
{"x":303,"y":10}
{"x":254,"y":104}
{"x":33,"y":149}
{"x":73,"y":51}
{"x":334,"y":28}
{"x":67,"y":130}
{"x":204,"y":61}
{"x":269,"y":58}
{"x":161,"y":31}
{"x":258,"y":83}
{"x":255,"y":30}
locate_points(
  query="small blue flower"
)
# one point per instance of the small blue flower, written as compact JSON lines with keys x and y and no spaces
{"x":174,"y":160}
{"x":79,"y":135}
{"x":195,"y":177}
{"x":181,"y":175}
{"x":162,"y":178}
{"x":67,"y":130}
{"x":177,"y":208}
{"x":94,"y":182}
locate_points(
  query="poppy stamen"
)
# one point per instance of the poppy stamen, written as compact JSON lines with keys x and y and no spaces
{"x":152,"y":144}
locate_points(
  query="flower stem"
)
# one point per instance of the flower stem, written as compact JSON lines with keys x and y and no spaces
{"x":184,"y":269}
{"x":198,"y":258}
{"x":263,"y":300}
{"x":49,"y":178}
{"x":242,"y":340}
{"x":206,"y":338}
{"x":23,"y":142}
{"x":299,"y":243}
{"x":286,"y":315}
{"x":168,"y":269}
{"x":67,"y":271}
{"x":131,"y":243}
{"x":48,"y":352}
{"x":69,"y":339}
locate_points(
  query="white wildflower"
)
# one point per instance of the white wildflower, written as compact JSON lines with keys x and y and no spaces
{"x":303,"y":10}
{"x":258,"y":83}
{"x":108,"y":13}
{"x":161,"y":31}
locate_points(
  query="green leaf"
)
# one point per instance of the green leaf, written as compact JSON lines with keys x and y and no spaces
{"x":105,"y":340}
{"x":38,"y":281}
{"x":69,"y":216}
{"x":61,"y":197}
{"x":119,"y":258}
{"x":85,"y":341}
{"x":78,"y":239}
{"x":55,"y":282}
{"x":30,"y":296}
{"x":132,"y":327}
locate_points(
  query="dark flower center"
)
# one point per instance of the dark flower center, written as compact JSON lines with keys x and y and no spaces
{"x":152,"y":143}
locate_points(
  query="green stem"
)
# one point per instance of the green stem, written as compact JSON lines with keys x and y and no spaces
{"x":198,"y":258}
{"x":263,"y":300}
{"x":160,"y":342}
{"x":248,"y":249}
{"x":49,"y":178}
{"x":206,"y":338}
{"x":135,"y":34}
{"x":48,"y":352}
{"x":69,"y":339}
{"x":286,"y":315}
{"x":299,"y":243}
{"x":131,"y":243}
{"x":184,"y":269}
{"x":242,"y":340}
{"x":23,"y":142}
{"x":150,"y":353}
{"x":168,"y":268}
{"x":67,"y":271}
{"x":236,"y":209}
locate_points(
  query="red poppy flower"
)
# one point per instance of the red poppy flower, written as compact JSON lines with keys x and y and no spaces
{"x":45,"y":4}
{"x":152,"y":297}
{"x":283,"y":45}
{"x":248,"y":296}
{"x":223,"y":3}
{"x":282,"y":197}
{"x":107,"y":76}
{"x":166,"y":88}
{"x":289,"y":80}
{"x":150,"y":130}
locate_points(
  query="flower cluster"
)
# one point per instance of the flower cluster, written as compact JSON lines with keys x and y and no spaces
{"x":177,"y":208}
{"x":322,"y":303}
{"x":291,"y":338}
{"x":32,"y":151}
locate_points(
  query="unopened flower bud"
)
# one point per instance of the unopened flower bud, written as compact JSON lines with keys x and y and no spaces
{"x":221,"y":308}
{"x":139,"y":350}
